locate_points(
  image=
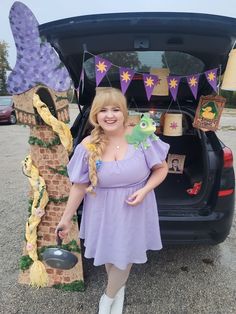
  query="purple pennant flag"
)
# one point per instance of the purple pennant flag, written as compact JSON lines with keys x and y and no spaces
{"x":173,"y":83}
{"x":126,"y":76}
{"x":193,"y":83}
{"x":150,"y":81}
{"x":101,"y":68}
{"x":211,"y":76}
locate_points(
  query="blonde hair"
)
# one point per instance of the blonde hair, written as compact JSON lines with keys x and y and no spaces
{"x":105,"y":96}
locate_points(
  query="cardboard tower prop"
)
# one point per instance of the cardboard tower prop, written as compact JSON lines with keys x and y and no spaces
{"x":39,"y":84}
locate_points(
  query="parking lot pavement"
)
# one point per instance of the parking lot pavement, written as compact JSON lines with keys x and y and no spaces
{"x":176,"y":280}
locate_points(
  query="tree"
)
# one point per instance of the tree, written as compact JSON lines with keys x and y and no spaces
{"x":4,"y":67}
{"x":122,"y":59}
{"x":181,"y":63}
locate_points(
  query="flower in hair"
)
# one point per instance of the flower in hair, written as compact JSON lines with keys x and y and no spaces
{"x":91,"y":147}
{"x":29,"y":246}
{"x":98,"y":163}
{"x":39,"y":212}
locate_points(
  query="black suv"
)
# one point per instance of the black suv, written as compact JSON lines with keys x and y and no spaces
{"x":186,"y":43}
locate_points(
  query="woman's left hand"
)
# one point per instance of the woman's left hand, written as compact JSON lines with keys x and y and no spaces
{"x":136,"y":198}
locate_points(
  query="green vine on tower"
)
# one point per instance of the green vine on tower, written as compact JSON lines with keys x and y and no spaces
{"x":33,"y":140}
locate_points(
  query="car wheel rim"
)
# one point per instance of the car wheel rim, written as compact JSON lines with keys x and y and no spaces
{"x":13,"y":119}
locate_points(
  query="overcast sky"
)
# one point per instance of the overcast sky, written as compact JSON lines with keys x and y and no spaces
{"x":50,"y":10}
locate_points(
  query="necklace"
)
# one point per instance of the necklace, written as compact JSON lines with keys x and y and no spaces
{"x":117,"y":147}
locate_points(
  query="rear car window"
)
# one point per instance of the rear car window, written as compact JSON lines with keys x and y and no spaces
{"x":178,"y":63}
{"x":5,"y":101}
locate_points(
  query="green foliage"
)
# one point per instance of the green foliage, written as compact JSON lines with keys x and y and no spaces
{"x":72,"y":246}
{"x":59,"y":98}
{"x":58,"y":200}
{"x":77,"y":285}
{"x":75,"y":219}
{"x":61,"y":170}
{"x":33,"y":140}
{"x":30,"y":206}
{"x":25,"y":262}
{"x":4,"y":67}
{"x":181,"y":63}
{"x":124,"y":59}
{"x":118,"y":58}
{"x":40,"y":195}
{"x":230,"y":98}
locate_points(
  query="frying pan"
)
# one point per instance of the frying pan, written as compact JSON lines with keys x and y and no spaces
{"x":56,"y":257}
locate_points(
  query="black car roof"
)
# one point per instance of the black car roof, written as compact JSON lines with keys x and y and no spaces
{"x":208,"y":37}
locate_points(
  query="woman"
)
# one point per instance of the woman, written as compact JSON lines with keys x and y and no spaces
{"x":116,"y":180}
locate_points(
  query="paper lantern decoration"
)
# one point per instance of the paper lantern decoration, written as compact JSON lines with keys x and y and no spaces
{"x":173,"y":124}
{"x":229,"y":81}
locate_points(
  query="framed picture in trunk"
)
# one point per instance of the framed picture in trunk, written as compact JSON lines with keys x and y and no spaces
{"x":176,"y":163}
{"x":208,"y":112}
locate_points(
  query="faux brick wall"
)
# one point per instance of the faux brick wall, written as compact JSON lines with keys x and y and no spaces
{"x":58,"y":186}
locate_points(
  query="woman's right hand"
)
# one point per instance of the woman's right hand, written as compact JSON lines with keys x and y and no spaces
{"x":65,"y":227}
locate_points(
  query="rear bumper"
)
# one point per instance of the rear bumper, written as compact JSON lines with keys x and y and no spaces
{"x":197,"y":229}
{"x":5,"y":117}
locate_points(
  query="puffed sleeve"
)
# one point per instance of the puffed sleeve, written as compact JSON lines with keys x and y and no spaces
{"x":156,"y":153}
{"x":77,"y":167}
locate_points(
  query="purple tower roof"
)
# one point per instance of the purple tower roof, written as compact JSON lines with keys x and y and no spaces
{"x":37,"y":62}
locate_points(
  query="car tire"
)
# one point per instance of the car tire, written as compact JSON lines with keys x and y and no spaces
{"x":12,"y":119}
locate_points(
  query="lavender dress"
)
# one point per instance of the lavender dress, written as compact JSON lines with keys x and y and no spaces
{"x":114,"y":231}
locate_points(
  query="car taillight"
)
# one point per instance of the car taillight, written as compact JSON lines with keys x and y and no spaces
{"x":227,"y":175}
{"x":228,"y":157}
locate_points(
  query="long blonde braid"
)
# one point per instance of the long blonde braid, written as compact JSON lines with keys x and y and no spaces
{"x":104,"y":97}
{"x":99,"y":140}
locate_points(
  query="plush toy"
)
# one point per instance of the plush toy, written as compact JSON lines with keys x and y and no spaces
{"x":142,"y":131}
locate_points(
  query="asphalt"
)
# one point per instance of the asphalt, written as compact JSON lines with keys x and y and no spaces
{"x":176,"y":280}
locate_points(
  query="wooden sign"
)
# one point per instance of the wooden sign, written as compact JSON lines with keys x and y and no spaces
{"x":208,"y":112}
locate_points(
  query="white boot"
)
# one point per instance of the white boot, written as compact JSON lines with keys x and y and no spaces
{"x":105,"y":304}
{"x":117,"y":305}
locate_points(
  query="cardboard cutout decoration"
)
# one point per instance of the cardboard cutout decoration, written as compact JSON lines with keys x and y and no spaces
{"x":161,"y":89}
{"x":208,"y":112}
{"x":39,"y":84}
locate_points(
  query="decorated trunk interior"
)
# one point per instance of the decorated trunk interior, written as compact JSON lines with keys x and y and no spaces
{"x":177,"y":186}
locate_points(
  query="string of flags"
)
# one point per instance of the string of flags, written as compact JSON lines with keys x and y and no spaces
{"x":150,"y":81}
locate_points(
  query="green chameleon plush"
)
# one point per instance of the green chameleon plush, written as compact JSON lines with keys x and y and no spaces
{"x":142,"y":131}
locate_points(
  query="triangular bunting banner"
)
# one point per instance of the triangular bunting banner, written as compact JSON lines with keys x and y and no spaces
{"x":193,"y":83}
{"x":102,"y":66}
{"x":173,"y":84}
{"x":150,"y":81}
{"x":126,"y":76}
{"x":211,"y":76}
